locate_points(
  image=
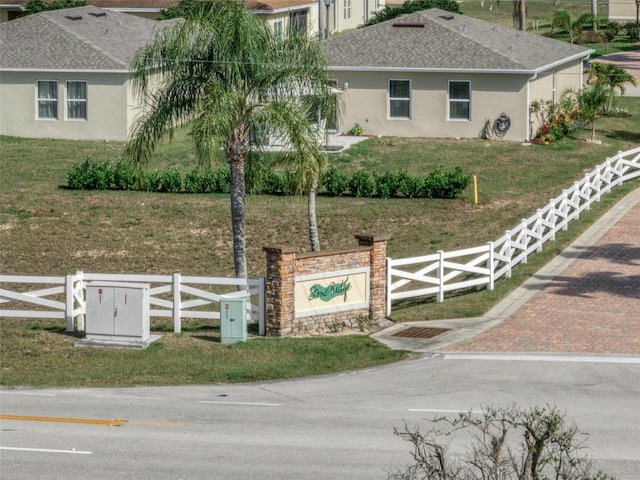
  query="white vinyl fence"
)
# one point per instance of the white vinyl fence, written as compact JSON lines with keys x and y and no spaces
{"x":172,"y":296}
{"x":443,"y":272}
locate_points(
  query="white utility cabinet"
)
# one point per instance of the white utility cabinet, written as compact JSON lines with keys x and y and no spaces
{"x":233,"y":320}
{"x":117,"y":312}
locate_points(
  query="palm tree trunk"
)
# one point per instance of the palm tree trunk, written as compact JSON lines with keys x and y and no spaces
{"x":236,"y":150}
{"x":314,"y":238}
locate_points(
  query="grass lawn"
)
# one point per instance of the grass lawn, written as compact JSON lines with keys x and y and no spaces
{"x":46,"y":229}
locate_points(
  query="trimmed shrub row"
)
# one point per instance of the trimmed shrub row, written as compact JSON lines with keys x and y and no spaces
{"x":93,"y":175}
{"x":437,"y":184}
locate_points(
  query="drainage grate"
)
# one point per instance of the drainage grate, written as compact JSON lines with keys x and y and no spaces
{"x":420,"y":332}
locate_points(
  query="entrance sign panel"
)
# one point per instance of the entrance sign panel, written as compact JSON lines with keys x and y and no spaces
{"x":329,"y":292}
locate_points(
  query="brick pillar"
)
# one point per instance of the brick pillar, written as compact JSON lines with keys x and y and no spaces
{"x":280,"y":285}
{"x":378,"y":277}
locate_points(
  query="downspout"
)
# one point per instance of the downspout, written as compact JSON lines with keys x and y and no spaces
{"x":528,"y":112}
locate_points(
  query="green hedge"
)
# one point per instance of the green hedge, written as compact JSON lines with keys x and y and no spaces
{"x":93,"y":175}
{"x":436,"y":184}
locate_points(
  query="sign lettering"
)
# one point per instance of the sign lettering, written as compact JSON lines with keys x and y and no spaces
{"x":330,"y":291}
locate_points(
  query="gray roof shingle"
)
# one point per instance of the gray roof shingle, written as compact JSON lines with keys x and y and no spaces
{"x":105,"y":41}
{"x":437,"y":40}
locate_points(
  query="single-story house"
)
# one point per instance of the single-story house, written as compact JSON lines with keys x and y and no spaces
{"x":438,"y":74}
{"x":623,"y":11}
{"x":65,"y":73}
{"x":279,"y":14}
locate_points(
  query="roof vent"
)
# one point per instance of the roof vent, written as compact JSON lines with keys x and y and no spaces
{"x":98,"y":14}
{"x":446,"y":17}
{"x":409,"y":24}
{"x":73,"y":17}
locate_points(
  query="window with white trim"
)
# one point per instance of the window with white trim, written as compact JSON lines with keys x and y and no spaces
{"x":399,"y":99}
{"x":346,"y":13}
{"x":76,"y":100}
{"x":277,"y":29}
{"x":298,"y":22}
{"x":47,"y":99}
{"x":459,"y":100}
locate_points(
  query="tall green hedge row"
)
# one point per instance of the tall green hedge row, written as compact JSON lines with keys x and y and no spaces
{"x":94,"y":175}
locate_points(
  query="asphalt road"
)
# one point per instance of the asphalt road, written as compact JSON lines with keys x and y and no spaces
{"x":332,"y":427}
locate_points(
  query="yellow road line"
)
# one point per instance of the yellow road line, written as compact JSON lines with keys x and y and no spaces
{"x":87,"y":421}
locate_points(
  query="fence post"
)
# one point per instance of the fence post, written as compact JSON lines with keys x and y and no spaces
{"x":606,"y":176}
{"x":565,"y":211}
{"x":262,"y":331}
{"x":388,"y":286}
{"x":68,"y":292}
{"x":526,"y":242}
{"x":539,"y":230}
{"x":177,"y":321}
{"x":576,"y":190}
{"x":440,"y":297}
{"x":492,"y":275}
{"x":509,"y":253}
{"x":82,"y":300}
{"x":552,"y":212}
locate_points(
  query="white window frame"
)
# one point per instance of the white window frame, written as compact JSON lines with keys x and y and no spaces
{"x":69,"y":100}
{"x":346,"y":11}
{"x":55,"y":101}
{"x":398,"y":99}
{"x":278,"y":28}
{"x":450,"y":101}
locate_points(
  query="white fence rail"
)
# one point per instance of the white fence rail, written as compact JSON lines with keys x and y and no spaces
{"x":443,"y":272}
{"x":173,"y":296}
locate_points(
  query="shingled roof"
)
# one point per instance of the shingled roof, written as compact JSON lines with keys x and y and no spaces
{"x":74,"y":39}
{"x":437,"y":40}
{"x":157,"y":5}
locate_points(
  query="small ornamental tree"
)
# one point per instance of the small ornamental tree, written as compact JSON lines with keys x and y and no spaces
{"x":592,"y":102}
{"x":507,"y":443}
{"x":613,"y":77}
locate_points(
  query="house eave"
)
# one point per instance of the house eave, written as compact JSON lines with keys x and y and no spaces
{"x":577,"y":56}
{"x":508,"y":71}
{"x":133,"y":9}
{"x":431,"y":70}
{"x":283,"y":10}
{"x":60,"y":70}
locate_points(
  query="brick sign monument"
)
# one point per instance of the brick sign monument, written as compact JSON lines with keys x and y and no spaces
{"x":306,"y":293}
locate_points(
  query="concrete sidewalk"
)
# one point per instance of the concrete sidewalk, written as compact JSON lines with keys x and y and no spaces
{"x":585,"y":301}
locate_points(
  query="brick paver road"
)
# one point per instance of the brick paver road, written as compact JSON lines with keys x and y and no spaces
{"x":593,"y":306}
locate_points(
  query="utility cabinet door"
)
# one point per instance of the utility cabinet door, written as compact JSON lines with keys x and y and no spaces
{"x":128,"y":312}
{"x":100,"y":301}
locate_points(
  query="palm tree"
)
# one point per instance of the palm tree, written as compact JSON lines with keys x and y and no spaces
{"x":306,"y":169}
{"x":520,"y":14}
{"x":613,"y":77}
{"x":563,"y":19}
{"x":225,"y":74}
{"x":591,"y":102}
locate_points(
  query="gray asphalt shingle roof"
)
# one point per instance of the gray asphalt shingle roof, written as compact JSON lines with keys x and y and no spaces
{"x":52,"y":41}
{"x":444,"y":41}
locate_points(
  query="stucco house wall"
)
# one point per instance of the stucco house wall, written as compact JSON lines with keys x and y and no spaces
{"x":108,"y":107}
{"x":622,"y":10}
{"x":85,"y":45}
{"x":405,"y":76}
{"x":491,"y":95}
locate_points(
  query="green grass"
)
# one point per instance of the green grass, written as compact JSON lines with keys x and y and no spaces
{"x":50,"y":230}
{"x":46,"y":229}
{"x":41,"y":354}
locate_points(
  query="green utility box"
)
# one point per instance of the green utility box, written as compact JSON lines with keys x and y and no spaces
{"x":233,"y":320}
